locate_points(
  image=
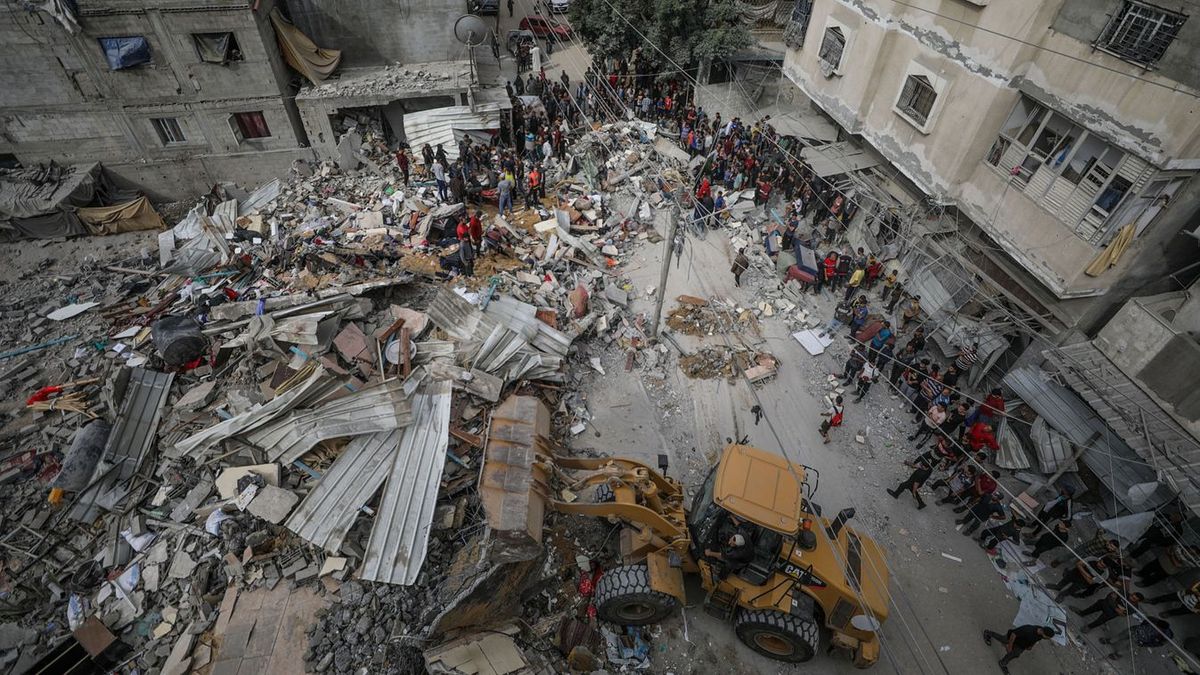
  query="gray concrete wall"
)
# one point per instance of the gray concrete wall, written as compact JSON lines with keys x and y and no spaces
{"x":377,"y":32}
{"x":172,"y":180}
{"x":1085,"y":20}
{"x":61,"y":102}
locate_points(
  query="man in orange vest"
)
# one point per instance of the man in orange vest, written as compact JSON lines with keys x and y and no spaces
{"x":536,"y":189}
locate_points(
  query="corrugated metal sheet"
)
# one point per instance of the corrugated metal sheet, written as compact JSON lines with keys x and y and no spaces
{"x":1012,"y":454}
{"x":522,"y":318}
{"x":1054,"y":450}
{"x":329,"y":510}
{"x":265,"y":194}
{"x":382,"y":407}
{"x":1136,"y":417}
{"x":1108,"y":457}
{"x":439,"y":125}
{"x":493,"y":341}
{"x":311,"y":390}
{"x":130,"y":439}
{"x":400,"y":537}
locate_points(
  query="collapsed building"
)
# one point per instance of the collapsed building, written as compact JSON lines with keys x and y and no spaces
{"x":282,"y":415}
{"x":175,"y":98}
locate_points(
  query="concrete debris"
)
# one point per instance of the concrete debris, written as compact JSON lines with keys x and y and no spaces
{"x":293,"y":390}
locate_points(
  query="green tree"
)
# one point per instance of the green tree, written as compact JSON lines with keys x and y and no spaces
{"x":686,"y":30}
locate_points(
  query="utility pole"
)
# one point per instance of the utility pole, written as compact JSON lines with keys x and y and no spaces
{"x":666,"y":268}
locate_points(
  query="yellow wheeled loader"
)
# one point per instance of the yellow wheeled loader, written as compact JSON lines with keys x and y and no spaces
{"x":807,"y":572}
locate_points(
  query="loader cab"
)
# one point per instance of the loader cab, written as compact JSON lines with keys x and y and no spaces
{"x":752,"y":493}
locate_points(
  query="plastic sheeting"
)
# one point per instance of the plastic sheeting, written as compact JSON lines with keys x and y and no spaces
{"x":130,"y":216}
{"x":214,"y":47}
{"x":302,"y":53}
{"x":125,"y":52}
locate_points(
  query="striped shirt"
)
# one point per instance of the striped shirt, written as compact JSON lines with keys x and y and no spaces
{"x":966,"y":358}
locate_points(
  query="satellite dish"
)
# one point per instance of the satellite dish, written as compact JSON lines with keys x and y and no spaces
{"x":471,"y":30}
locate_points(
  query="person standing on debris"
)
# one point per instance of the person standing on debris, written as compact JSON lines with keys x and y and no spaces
{"x":534,"y":195}
{"x":475,"y":228}
{"x":504,"y":190}
{"x":1049,"y":541}
{"x":740,"y":264}
{"x":866,"y":377}
{"x":466,"y":254}
{"x":440,"y":155}
{"x":889,"y":282}
{"x":855,"y":280}
{"x":439,"y":175}
{"x":402,"y":162}
{"x":894,"y":298}
{"x":967,"y":356}
{"x":458,"y":183}
{"x":921,"y":473}
{"x":841,"y":316}
{"x":911,"y":312}
{"x":834,"y":417}
{"x":1018,"y":641}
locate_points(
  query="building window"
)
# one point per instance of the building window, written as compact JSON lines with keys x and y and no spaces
{"x":168,"y":130}
{"x":1066,"y":169}
{"x":916,"y":99}
{"x":1140,"y":32}
{"x":125,"y":52}
{"x":217,"y":47}
{"x":832,"y":46}
{"x":248,"y":125}
{"x":793,"y":33}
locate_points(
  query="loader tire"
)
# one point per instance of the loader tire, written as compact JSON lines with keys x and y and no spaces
{"x":624,"y":597}
{"x":604,"y":494}
{"x":777,"y":635}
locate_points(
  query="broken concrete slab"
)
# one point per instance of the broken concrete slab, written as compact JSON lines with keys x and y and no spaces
{"x":196,"y":398}
{"x":491,"y":653}
{"x":616,"y":294}
{"x":226,"y":483}
{"x":273,"y":504}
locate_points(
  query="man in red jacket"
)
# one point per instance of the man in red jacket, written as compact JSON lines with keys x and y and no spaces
{"x":980,"y":436}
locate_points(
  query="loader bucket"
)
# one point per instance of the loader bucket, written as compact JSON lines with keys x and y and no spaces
{"x":511,"y":486}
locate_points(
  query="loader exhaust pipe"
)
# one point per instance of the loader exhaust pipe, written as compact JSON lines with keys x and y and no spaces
{"x":836,"y":526}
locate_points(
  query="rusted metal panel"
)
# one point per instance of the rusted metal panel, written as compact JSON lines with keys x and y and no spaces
{"x":512,"y":499}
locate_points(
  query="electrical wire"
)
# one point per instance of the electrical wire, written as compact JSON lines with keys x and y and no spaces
{"x":971,"y":458}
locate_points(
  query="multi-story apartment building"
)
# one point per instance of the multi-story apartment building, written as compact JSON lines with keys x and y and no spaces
{"x":174,"y":96}
{"x":1049,"y":128}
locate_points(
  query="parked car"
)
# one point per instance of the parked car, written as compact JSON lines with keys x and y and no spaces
{"x":483,"y":6}
{"x":560,"y":6}
{"x":544,"y":28}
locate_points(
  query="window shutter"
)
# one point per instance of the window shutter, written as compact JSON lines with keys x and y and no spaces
{"x":235,"y":128}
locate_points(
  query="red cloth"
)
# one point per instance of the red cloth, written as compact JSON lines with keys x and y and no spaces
{"x":475,"y":228}
{"x":705,"y":188}
{"x":873,"y":271}
{"x":797,"y":274}
{"x":462,"y":230}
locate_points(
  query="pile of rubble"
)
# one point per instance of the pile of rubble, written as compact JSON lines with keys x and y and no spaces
{"x":700,"y":317}
{"x":294,"y":395}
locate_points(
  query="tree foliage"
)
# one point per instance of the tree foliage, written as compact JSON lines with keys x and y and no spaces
{"x":686,"y":30}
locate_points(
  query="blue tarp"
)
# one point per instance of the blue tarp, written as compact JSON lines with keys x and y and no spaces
{"x":125,"y":52}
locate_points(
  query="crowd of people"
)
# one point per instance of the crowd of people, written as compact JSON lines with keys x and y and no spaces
{"x":955,"y":438}
{"x":954,"y":434}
